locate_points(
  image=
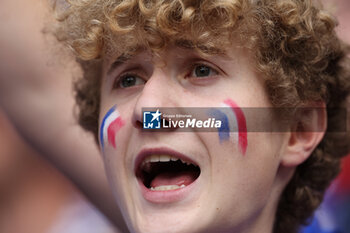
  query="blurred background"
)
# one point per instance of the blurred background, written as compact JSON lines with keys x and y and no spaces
{"x":333,"y":216}
{"x":36,"y":198}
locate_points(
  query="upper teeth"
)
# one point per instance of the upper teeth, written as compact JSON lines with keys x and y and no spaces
{"x":161,"y":158}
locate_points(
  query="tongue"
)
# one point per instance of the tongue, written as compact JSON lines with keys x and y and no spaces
{"x":172,"y":178}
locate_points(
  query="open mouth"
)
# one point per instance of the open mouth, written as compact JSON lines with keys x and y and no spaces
{"x":166,"y":172}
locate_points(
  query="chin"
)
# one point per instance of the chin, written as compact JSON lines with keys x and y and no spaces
{"x":180,"y":223}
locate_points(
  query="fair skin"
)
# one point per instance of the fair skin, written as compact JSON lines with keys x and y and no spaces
{"x":234,"y":192}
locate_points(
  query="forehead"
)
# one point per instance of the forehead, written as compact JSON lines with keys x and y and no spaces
{"x":130,"y":49}
{"x":172,"y":53}
{"x":176,"y":50}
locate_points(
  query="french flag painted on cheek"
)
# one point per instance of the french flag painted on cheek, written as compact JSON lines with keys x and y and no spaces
{"x":241,"y":123}
{"x":233,"y":125}
{"x":111,"y":124}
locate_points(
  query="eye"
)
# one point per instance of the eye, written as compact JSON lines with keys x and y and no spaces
{"x":129,"y":80}
{"x":202,"y":70}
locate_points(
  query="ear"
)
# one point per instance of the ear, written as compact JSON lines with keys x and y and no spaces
{"x":307,"y":130}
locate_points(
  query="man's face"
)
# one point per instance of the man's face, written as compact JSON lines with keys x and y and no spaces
{"x":217,"y":185}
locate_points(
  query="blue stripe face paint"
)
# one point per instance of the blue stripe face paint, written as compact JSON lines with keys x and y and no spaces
{"x":224,"y":130}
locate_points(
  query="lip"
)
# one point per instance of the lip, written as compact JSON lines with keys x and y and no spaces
{"x":165,"y":196}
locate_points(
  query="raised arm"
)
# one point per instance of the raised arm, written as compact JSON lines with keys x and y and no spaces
{"x":36,"y":93}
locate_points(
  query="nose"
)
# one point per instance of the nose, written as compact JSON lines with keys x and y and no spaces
{"x":158,"y":92}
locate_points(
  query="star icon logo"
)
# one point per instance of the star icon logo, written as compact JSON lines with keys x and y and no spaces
{"x":156,"y":115}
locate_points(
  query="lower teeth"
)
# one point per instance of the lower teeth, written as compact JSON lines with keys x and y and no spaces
{"x":167,"y":187}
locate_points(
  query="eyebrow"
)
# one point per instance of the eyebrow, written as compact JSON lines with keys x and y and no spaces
{"x":120,"y":61}
{"x":188,"y":45}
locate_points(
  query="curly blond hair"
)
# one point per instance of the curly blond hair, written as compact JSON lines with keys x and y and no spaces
{"x":293,"y":42}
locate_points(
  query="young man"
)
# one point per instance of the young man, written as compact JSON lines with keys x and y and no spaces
{"x":262,"y":54}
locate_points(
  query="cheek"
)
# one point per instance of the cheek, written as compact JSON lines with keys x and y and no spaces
{"x":246,"y":182}
{"x":111,"y":124}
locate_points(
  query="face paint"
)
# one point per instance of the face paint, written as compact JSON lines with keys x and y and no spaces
{"x":228,"y":124}
{"x":111,"y":124}
{"x":241,"y":123}
{"x":232,"y":122}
